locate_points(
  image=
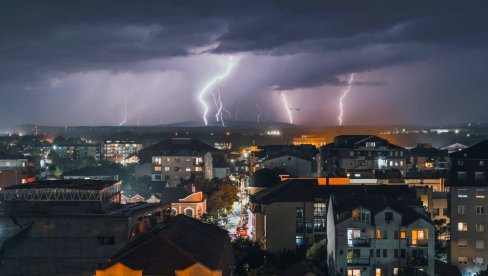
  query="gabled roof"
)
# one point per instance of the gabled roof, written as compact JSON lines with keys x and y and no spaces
{"x":478,"y":151}
{"x":179,"y":147}
{"x":173,"y":194}
{"x":175,"y":244}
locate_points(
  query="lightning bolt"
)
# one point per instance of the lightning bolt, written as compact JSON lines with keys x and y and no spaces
{"x":341,"y":100}
{"x":287,"y":107}
{"x":261,"y":111}
{"x":203,"y":92}
{"x":220,"y":107}
{"x":125,"y":112}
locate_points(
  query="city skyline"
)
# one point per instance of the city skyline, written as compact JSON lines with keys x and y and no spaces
{"x":156,"y":63}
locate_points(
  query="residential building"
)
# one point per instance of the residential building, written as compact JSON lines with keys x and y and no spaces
{"x":119,"y":151}
{"x":309,"y":140}
{"x":16,"y":169}
{"x":294,"y":163}
{"x":193,"y":205}
{"x":424,"y":157}
{"x":468,"y":183}
{"x":67,"y":227}
{"x":378,"y":234}
{"x":179,"y":159}
{"x":92,"y":173}
{"x":349,"y":153}
{"x":78,"y":151}
{"x":178,"y":246}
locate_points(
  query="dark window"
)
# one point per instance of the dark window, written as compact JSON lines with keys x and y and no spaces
{"x":289,"y":158}
{"x":388,"y":216}
{"x":479,"y":178}
{"x":106,"y":240}
{"x":436,"y":212}
{"x":395,"y":235}
{"x":445,"y":212}
{"x":402,"y":253}
{"x":371,"y":253}
{"x":309,"y":226}
{"x":299,"y":227}
{"x":462,"y":177}
{"x":395,"y":253}
{"x":385,"y":253}
{"x":299,"y":212}
{"x":378,"y":253}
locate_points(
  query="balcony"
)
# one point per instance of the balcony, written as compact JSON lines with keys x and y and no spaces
{"x":358,"y":261}
{"x":418,"y":261}
{"x":359,"y":242}
{"x":418,"y":243}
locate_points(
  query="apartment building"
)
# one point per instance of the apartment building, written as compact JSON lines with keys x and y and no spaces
{"x":351,"y":153}
{"x":378,"y":234}
{"x":468,"y":183}
{"x":119,"y":151}
{"x":16,"y":169}
{"x":179,"y":159}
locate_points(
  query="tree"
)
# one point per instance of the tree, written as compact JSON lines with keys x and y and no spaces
{"x":248,"y":255}
{"x":317,"y":256}
{"x":441,"y":246}
{"x":222,"y":200}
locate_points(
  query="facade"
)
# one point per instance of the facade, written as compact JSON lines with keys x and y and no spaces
{"x":193,"y":205}
{"x":425,"y":157}
{"x":16,"y":169}
{"x":179,"y":159}
{"x":67,"y":227}
{"x":350,"y":153}
{"x":298,"y":166}
{"x":91,"y":173}
{"x":309,"y":140}
{"x":178,"y":246}
{"x":119,"y":151}
{"x":78,"y":151}
{"x":468,"y":183}
{"x":372,"y":234}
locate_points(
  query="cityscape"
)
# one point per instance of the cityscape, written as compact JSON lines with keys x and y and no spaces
{"x":222,"y":138}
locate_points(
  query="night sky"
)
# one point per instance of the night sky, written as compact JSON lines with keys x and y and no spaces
{"x":78,"y":62}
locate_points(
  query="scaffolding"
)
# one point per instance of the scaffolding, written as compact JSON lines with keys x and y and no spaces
{"x":61,"y":194}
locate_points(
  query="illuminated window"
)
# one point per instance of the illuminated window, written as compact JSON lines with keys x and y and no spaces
{"x":480,"y":193}
{"x":403,"y":235}
{"x":462,"y":226}
{"x":378,"y":234}
{"x":378,"y":272}
{"x":395,"y":271}
{"x":319,"y":209}
{"x":463,"y":193}
{"x":462,"y":260}
{"x":353,"y":235}
{"x":166,"y":169}
{"x":157,"y":168}
{"x":198,"y":169}
{"x":188,"y":169}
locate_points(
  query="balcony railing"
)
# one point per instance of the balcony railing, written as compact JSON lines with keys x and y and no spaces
{"x":418,"y":261}
{"x":357,"y":261}
{"x":359,"y":242}
{"x":418,"y":243}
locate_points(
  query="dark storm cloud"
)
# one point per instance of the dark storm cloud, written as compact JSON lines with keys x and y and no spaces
{"x":300,"y":43}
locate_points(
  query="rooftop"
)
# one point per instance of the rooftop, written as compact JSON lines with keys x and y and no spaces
{"x":91,"y":171}
{"x":76,"y":184}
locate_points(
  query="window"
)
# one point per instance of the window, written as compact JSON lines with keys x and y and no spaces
{"x":480,"y":244}
{"x":157,"y":168}
{"x":445,"y":212}
{"x":299,"y":212}
{"x":462,"y":177}
{"x":188,"y":169}
{"x":309,"y":226}
{"x":385,"y":253}
{"x":463,"y":193}
{"x":435,"y":212}
{"x":462,"y":226}
{"x":480,"y":193}
{"x":353,"y":272}
{"x":299,"y":227}
{"x":460,"y":163}
{"x":396,"y":271}
{"x":388,"y":216}
{"x":319,"y":224}
{"x":480,"y":210}
{"x":189,"y":212}
{"x":378,"y":253}
{"x":319,"y":209}
{"x":157,"y":160}
{"x":479,"y":178}
{"x":361,"y":214}
{"x":461,"y":209}
{"x":482,"y":163}
{"x":370,"y":144}
{"x":378,"y":234}
{"x":480,"y":227}
{"x":289,"y":158}
{"x":299,"y":241}
{"x":166,"y":169}
{"x":462,"y":260}
{"x":402,"y":253}
{"x":351,"y":153}
{"x":177,"y":169}
{"x":106,"y":240}
{"x":352,"y":236}
{"x":395,"y":253}
{"x":462,"y":243}
{"x":403,"y":235}
{"x":378,"y":272}
{"x":479,"y":261}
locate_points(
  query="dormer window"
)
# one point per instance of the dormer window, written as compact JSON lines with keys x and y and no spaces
{"x":361,"y":214}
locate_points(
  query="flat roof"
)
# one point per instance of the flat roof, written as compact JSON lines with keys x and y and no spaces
{"x":78,"y":184}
